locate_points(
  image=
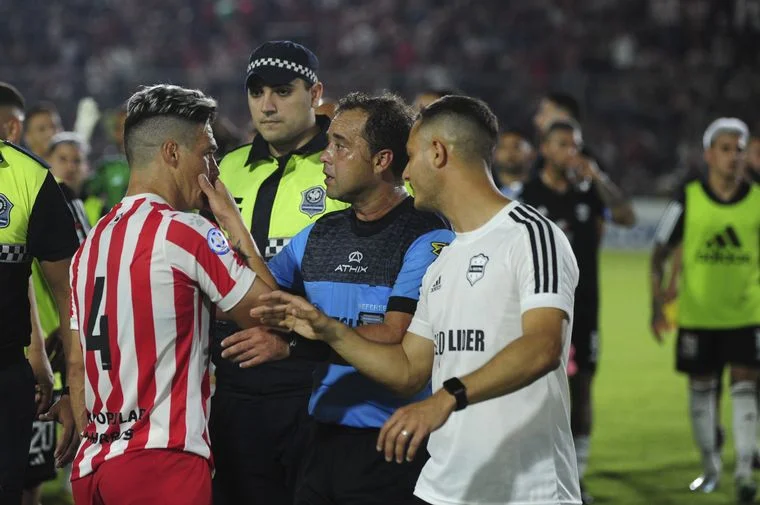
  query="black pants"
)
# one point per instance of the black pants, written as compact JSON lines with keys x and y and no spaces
{"x":258,"y":444}
{"x":342,"y":467}
{"x":16,"y":417}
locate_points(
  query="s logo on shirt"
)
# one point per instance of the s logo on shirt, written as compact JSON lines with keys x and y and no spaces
{"x":217,"y":241}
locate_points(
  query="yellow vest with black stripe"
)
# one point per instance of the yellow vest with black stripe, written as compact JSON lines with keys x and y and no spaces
{"x":300,"y":197}
{"x":720,"y":283}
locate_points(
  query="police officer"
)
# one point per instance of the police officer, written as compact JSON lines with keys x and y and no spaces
{"x":259,"y":415}
{"x":34,"y":223}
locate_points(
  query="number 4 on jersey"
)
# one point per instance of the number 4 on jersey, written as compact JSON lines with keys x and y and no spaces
{"x":98,"y":342}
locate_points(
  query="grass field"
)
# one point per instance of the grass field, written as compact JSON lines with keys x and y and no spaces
{"x":642,"y":451}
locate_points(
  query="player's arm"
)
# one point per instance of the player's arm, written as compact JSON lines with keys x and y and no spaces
{"x":404,"y":368}
{"x":668,"y":237}
{"x":229,"y":219}
{"x":38,"y":358}
{"x":52,"y":240}
{"x":254,"y":346}
{"x":613,"y":198}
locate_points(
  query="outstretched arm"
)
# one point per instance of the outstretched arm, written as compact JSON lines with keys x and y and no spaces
{"x":525,"y":360}
{"x":404,"y":368}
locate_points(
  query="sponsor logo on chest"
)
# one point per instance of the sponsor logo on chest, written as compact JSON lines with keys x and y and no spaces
{"x":354,"y":264}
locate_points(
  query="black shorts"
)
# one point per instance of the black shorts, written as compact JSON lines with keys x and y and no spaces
{"x":16,"y":416}
{"x":343,"y":466}
{"x":41,"y":466}
{"x":701,"y":352}
{"x":585,"y":340}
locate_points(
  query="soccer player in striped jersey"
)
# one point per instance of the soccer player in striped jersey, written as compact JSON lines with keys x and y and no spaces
{"x":144,"y":287}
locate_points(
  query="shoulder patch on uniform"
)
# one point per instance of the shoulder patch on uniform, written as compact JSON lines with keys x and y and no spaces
{"x":217,"y":242}
{"x":438,"y":247}
{"x":5,"y":211}
{"x":313,"y":201}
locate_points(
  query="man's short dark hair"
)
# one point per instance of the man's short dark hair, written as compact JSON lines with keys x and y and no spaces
{"x":11,"y":97}
{"x":41,"y":108}
{"x":160,"y":111}
{"x":567,"y":125}
{"x":389,"y":121}
{"x":567,"y":102}
{"x":477,"y":123}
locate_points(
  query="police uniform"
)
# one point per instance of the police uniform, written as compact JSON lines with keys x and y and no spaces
{"x":259,"y":415}
{"x":35,"y":222}
{"x":719,"y":293}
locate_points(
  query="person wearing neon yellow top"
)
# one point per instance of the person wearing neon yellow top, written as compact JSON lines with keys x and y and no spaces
{"x":259,"y":419}
{"x":716,"y":223}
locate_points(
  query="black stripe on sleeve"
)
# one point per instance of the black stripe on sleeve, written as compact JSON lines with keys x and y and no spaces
{"x":532,"y":235}
{"x":547,"y":266}
{"x":552,"y":245}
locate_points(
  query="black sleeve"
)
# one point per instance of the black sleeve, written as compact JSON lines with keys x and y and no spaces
{"x":595,"y":202}
{"x":669,"y":230}
{"x":51,"y":235}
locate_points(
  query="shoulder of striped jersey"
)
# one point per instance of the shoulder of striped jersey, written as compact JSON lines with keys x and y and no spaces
{"x":34,"y":159}
{"x":191,"y":219}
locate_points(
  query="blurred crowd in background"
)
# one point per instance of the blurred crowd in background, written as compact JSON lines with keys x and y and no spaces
{"x":650,"y":74}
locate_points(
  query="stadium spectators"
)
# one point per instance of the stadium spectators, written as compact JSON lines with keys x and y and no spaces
{"x":650,"y":74}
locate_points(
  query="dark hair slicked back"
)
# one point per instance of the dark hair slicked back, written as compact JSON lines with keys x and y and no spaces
{"x":567,"y":102}
{"x":11,"y":97}
{"x":389,"y":121}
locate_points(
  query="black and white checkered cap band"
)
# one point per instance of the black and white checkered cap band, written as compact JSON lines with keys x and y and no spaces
{"x":13,"y":253}
{"x":306,"y":72}
{"x":275,"y":245}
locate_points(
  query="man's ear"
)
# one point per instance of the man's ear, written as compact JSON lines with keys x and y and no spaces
{"x":382,"y":161}
{"x":170,"y":153}
{"x":316,"y":94}
{"x":12,"y":130}
{"x":438,"y":152}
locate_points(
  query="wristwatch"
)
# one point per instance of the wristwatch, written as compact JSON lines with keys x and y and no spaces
{"x":455,"y":387}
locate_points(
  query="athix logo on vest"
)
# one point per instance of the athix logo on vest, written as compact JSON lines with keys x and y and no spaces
{"x":354,"y":257}
{"x":724,"y":247}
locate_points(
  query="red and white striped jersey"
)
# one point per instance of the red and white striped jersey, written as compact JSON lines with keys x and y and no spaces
{"x":143,"y":287}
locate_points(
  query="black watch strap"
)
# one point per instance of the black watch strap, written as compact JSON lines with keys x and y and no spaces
{"x":456,"y":388}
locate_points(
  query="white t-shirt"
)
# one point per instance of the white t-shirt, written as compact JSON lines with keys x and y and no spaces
{"x":516,"y":449}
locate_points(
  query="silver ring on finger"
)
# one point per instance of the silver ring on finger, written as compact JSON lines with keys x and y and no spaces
{"x":404,"y":433}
